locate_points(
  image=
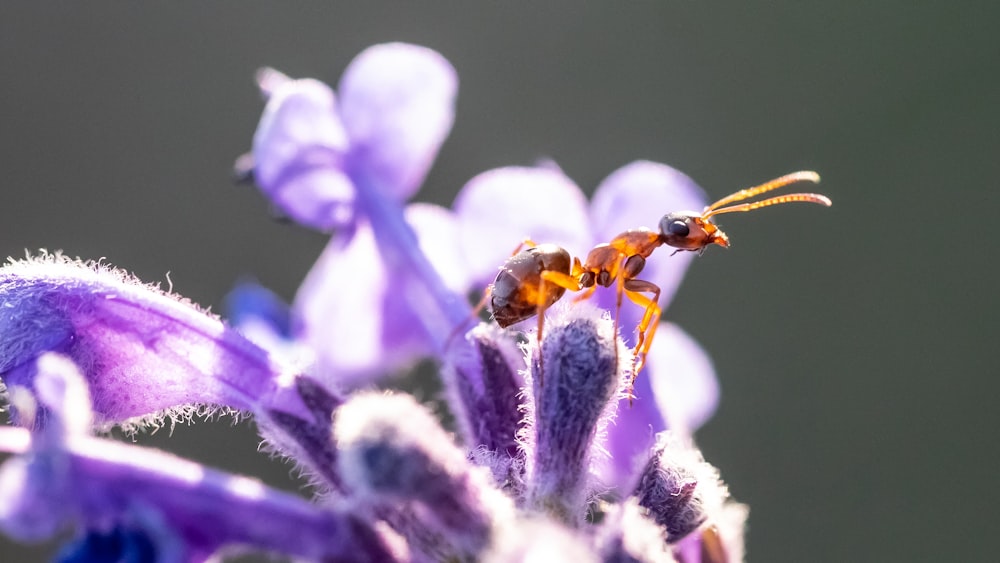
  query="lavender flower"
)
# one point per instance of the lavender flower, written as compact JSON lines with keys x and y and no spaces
{"x":677,"y":388}
{"x":181,"y":510}
{"x":84,"y":347}
{"x":345,"y":163}
{"x":143,"y":352}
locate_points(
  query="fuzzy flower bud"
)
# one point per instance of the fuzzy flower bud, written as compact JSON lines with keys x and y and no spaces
{"x":392,"y":450}
{"x":576,"y":383}
{"x":496,"y":407}
{"x":678,"y":488}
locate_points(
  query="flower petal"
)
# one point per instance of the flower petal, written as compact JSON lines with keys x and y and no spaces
{"x":683,"y":379}
{"x":297,"y":152}
{"x":677,"y":389}
{"x":354,"y":309}
{"x":437,"y":232}
{"x":140,"y":349}
{"x":339,"y":312}
{"x":398,"y":104}
{"x":102,"y":482}
{"x":638,"y":195}
{"x":500,"y":208}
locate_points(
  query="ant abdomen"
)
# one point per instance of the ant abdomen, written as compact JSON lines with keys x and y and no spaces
{"x":519,"y":292}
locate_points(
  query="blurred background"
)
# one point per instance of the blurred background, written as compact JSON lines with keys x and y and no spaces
{"x":858,"y":415}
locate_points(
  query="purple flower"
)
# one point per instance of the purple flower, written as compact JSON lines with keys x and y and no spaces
{"x":139,"y":499}
{"x":345,"y":163}
{"x":677,"y":388}
{"x":84,"y":347}
{"x":144,"y":353}
{"x":313,"y":152}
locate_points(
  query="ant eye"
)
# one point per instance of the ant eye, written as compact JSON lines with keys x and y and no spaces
{"x":678,"y":228}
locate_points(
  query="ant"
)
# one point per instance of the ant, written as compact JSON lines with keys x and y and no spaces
{"x":534,"y":278}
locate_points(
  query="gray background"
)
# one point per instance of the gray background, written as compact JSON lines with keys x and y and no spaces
{"x":857,"y":416}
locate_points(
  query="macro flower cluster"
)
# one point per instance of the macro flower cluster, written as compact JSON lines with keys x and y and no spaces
{"x":547,"y":460}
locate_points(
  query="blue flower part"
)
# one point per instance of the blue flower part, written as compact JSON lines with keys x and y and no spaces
{"x":251,"y":302}
{"x":576,"y":380}
{"x":142,"y":351}
{"x":393,"y":453}
{"x":118,"y":545}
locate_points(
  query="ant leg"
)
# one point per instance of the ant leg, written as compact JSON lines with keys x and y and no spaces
{"x":650,"y":319}
{"x":472,"y":316}
{"x":555,"y":278}
{"x":586,"y":294}
{"x":540,"y":314}
{"x":526,"y":243}
{"x":565,"y":281}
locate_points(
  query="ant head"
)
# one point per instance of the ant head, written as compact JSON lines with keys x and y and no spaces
{"x":687,"y":230}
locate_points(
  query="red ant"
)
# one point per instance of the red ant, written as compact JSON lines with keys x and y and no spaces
{"x":534,"y":278}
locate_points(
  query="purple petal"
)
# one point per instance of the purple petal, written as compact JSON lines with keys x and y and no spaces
{"x":677,"y":389}
{"x":632,"y":434}
{"x":348,"y":312}
{"x":638,"y":195}
{"x":297,"y":151}
{"x":438,"y":234}
{"x":683,"y":379}
{"x":140,"y":349}
{"x":397,"y":102}
{"x":105,"y":482}
{"x":500,"y":208}
{"x":356,"y":311}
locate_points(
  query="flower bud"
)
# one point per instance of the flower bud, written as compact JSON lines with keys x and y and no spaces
{"x":678,"y":488}
{"x":576,"y":383}
{"x":393,"y":453}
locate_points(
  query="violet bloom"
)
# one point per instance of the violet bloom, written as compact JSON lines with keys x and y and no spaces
{"x":364,"y":308}
{"x":343,"y":163}
{"x":677,"y":388}
{"x":84,"y":347}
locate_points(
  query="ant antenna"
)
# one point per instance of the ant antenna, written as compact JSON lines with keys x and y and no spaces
{"x":801,"y":176}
